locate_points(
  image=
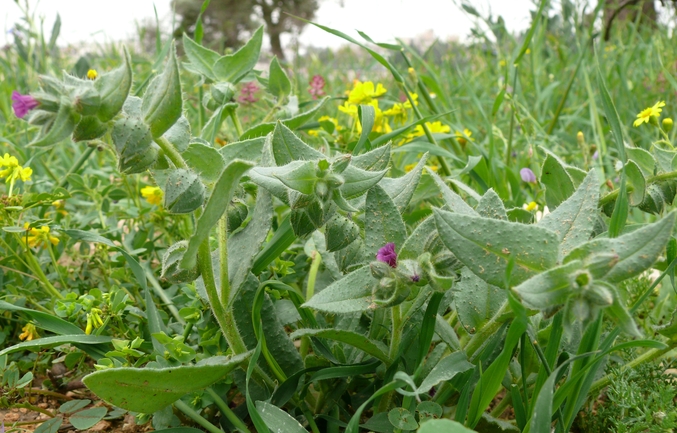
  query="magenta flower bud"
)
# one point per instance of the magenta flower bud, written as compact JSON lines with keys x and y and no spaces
{"x":248,"y":93}
{"x":316,"y":87}
{"x":22,"y":104}
{"x":528,"y":175}
{"x":595,"y":155}
{"x":387,"y":255}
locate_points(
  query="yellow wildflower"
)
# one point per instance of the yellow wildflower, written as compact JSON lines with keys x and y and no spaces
{"x":414,"y":97}
{"x":409,"y":167}
{"x":434,"y":127}
{"x":152,"y":194}
{"x":93,"y":320}
{"x":463,"y":137}
{"x":363,"y":93}
{"x":530,"y":207}
{"x":40,"y":237}
{"x":92,"y":74}
{"x":398,"y":112}
{"x":13,"y":170}
{"x":645,"y":115}
{"x":502,"y":63}
{"x":29,"y":333}
{"x":380,"y":122}
{"x":667,"y":124}
{"x":60,"y":207}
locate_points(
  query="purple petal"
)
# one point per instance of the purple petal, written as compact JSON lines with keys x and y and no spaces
{"x":22,"y":104}
{"x":528,"y":175}
{"x":415,"y":278}
{"x":387,"y":255}
{"x":595,"y":155}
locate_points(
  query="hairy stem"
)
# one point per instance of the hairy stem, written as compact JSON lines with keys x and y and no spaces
{"x":171,"y":152}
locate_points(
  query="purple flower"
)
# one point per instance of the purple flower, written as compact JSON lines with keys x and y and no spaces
{"x":415,"y":278}
{"x":528,"y":175}
{"x":248,"y":93}
{"x":316,"y":87}
{"x":595,"y":155}
{"x":387,"y":255}
{"x":22,"y":104}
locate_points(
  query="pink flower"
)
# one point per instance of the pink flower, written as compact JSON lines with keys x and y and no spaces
{"x":248,"y":93}
{"x":316,"y":87}
{"x":387,"y":255}
{"x":528,"y":175}
{"x":22,"y":104}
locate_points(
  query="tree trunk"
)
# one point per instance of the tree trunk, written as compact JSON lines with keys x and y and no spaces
{"x":275,"y":43}
{"x":624,"y":12}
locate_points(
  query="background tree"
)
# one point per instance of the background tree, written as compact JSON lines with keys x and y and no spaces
{"x":228,"y":22}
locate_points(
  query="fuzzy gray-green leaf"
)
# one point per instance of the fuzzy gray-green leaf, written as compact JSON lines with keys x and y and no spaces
{"x":382,"y":222}
{"x":351,"y":293}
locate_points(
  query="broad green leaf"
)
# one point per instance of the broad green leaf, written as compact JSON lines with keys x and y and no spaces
{"x":45,"y":321}
{"x":61,"y":128}
{"x":301,"y":178}
{"x":574,"y":219}
{"x":87,"y":418}
{"x":416,"y":242}
{"x":447,"y":333}
{"x":619,"y":312}
{"x":382,"y":222}
{"x":340,"y":232}
{"x":179,"y":134}
{"x":205,"y":160}
{"x":619,"y":216}
{"x":374,"y":160}
{"x":476,"y":301}
{"x":491,"y":206}
{"x":278,"y":82}
{"x":278,"y":420}
{"x":443,"y":426}
{"x":550,"y":288}
{"x":636,"y":180}
{"x":374,"y":348}
{"x":453,"y":201}
{"x":628,"y":255}
{"x":402,"y":419}
{"x":644,"y":160}
{"x":163,"y":101}
{"x":401,"y":189}
{"x":577,"y":175}
{"x":367,"y":116}
{"x":216,"y":206}
{"x":486,"y":246}
{"x":202,"y":59}
{"x":429,"y":410}
{"x":148,"y":390}
{"x":233,"y":67}
{"x":287,"y":147}
{"x":351,"y":293}
{"x":248,"y":150}
{"x":519,"y":215}
{"x":558,"y":183}
{"x":357,"y":181}
{"x":74,"y":405}
{"x":664,"y":158}
{"x":445,"y":370}
{"x":50,"y":426}
{"x":113,"y":88}
{"x":58,"y":340}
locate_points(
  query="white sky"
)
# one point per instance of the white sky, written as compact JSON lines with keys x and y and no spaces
{"x":104,"y":20}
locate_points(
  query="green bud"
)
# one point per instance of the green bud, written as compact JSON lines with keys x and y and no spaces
{"x":134,"y":145}
{"x":340,"y":232}
{"x":667,"y":124}
{"x":334,"y":180}
{"x":654,"y":201}
{"x":583,"y":279}
{"x":669,"y":189}
{"x":222,"y":93}
{"x":114,"y":86}
{"x":171,"y":271}
{"x":380,"y":270}
{"x":184,"y":192}
{"x":599,"y":295}
{"x":87,"y":100}
{"x":321,"y":189}
{"x":237,"y":213}
{"x":340,"y":163}
{"x":209,"y":103}
{"x":89,"y":128}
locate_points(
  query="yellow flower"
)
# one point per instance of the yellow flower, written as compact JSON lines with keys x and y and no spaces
{"x":645,"y":115}
{"x":434,"y":127}
{"x":152,"y":194}
{"x":398,"y":112}
{"x":93,"y":320}
{"x":92,"y":74}
{"x":60,"y":207}
{"x":380,"y":122}
{"x":414,"y":97}
{"x":502,"y":63}
{"x":363,"y":93}
{"x":532,"y":206}
{"x":29,"y":333}
{"x":409,"y":167}
{"x":13,"y":170}
{"x":40,"y":237}
{"x":463,"y":137}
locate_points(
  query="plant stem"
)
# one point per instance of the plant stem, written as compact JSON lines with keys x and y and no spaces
{"x":171,"y":152}
{"x":651,"y":179}
{"x":310,"y":291}
{"x":397,"y":332}
{"x":159,"y":291}
{"x":56,"y":266}
{"x":223,"y":260}
{"x":183,"y":407}
{"x":35,"y":267}
{"x":224,"y":317}
{"x":486,"y":331}
{"x":227,"y":412}
{"x":236,"y":121}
